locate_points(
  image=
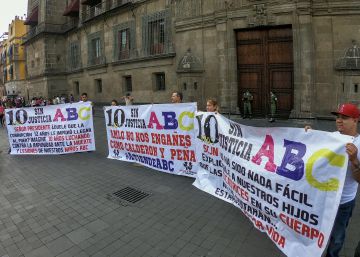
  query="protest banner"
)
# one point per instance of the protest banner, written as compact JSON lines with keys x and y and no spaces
{"x":159,"y":136}
{"x":53,"y":129}
{"x":288,"y":182}
{"x":209,"y":166}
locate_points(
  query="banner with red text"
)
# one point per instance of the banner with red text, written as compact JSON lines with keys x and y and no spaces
{"x":288,"y":182}
{"x":53,"y":129}
{"x":159,"y":136}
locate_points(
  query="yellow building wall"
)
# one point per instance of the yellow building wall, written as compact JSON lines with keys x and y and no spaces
{"x":6,"y":61}
{"x":16,"y":31}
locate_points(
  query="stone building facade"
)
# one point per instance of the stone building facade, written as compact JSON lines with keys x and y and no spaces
{"x":2,"y":86}
{"x":304,"y":51}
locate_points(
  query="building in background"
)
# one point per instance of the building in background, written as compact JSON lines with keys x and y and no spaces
{"x":13,"y":59}
{"x":2,"y":87}
{"x":304,"y":51}
{"x":3,"y":38}
{"x":45,"y":42}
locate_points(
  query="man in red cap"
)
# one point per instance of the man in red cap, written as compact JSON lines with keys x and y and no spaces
{"x":347,"y":118}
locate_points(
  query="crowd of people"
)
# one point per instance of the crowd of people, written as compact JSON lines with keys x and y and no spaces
{"x":176,"y":97}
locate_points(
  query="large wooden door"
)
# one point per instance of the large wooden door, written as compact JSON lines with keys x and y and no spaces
{"x":265,"y":63}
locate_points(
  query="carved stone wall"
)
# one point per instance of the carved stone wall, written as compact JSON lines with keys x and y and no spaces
{"x":321,"y":32}
{"x":187,"y":8}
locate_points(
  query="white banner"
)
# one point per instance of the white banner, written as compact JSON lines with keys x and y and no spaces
{"x":53,"y":129}
{"x":288,"y":182}
{"x":158,"y":136}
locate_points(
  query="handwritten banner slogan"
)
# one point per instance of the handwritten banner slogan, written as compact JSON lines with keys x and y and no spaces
{"x":159,"y":136}
{"x":288,"y":182}
{"x":55,"y":129}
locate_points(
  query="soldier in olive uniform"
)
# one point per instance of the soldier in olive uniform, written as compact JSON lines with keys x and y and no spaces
{"x":273,"y":102}
{"x":247,"y":99}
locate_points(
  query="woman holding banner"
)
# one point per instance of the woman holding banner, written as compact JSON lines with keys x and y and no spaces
{"x":212,"y":105}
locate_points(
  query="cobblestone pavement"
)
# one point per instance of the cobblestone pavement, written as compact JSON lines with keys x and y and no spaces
{"x":57,"y":206}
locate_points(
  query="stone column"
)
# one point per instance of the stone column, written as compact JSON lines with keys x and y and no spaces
{"x":303,"y":49}
{"x":223,"y":68}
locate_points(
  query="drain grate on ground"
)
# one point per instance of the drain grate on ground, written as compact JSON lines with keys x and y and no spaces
{"x":128,"y":195}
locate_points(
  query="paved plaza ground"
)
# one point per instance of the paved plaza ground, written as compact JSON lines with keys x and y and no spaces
{"x":58,"y":206}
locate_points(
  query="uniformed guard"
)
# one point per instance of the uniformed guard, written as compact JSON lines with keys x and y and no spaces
{"x":247,"y":99}
{"x":273,"y":102}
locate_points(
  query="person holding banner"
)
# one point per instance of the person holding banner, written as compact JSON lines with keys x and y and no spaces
{"x":2,"y":114}
{"x":347,"y":118}
{"x":176,"y":97}
{"x":84,"y":98}
{"x":357,"y":251}
{"x":129,"y":100}
{"x":212,"y":105}
{"x":114,"y":103}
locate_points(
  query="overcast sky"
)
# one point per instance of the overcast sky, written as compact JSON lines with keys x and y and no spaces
{"x":8,"y":11}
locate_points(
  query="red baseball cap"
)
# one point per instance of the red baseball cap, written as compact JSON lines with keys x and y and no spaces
{"x":349,"y":110}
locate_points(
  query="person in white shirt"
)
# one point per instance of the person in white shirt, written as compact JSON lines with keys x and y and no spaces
{"x":176,"y":97}
{"x":129,"y":100}
{"x":347,"y":118}
{"x":84,"y":99}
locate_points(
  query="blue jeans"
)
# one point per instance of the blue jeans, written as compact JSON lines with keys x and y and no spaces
{"x":337,"y":236}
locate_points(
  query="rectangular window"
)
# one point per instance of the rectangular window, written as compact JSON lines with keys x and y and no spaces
{"x":156,"y":33}
{"x":128,"y":83}
{"x":16,"y":49}
{"x":156,"y":36}
{"x":96,"y":51}
{"x":11,"y":72}
{"x":98,"y":83}
{"x":160,"y":81}
{"x":77,"y":87}
{"x":74,"y":56}
{"x":96,"y":47}
{"x":124,"y":44}
{"x":124,"y":40}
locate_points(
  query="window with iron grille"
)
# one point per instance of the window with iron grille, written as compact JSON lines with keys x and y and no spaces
{"x":160,"y":81}
{"x":124,"y":44}
{"x":74,"y":56}
{"x":128,"y":83}
{"x":157,"y":33}
{"x":95,"y":49}
{"x":156,"y":36}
